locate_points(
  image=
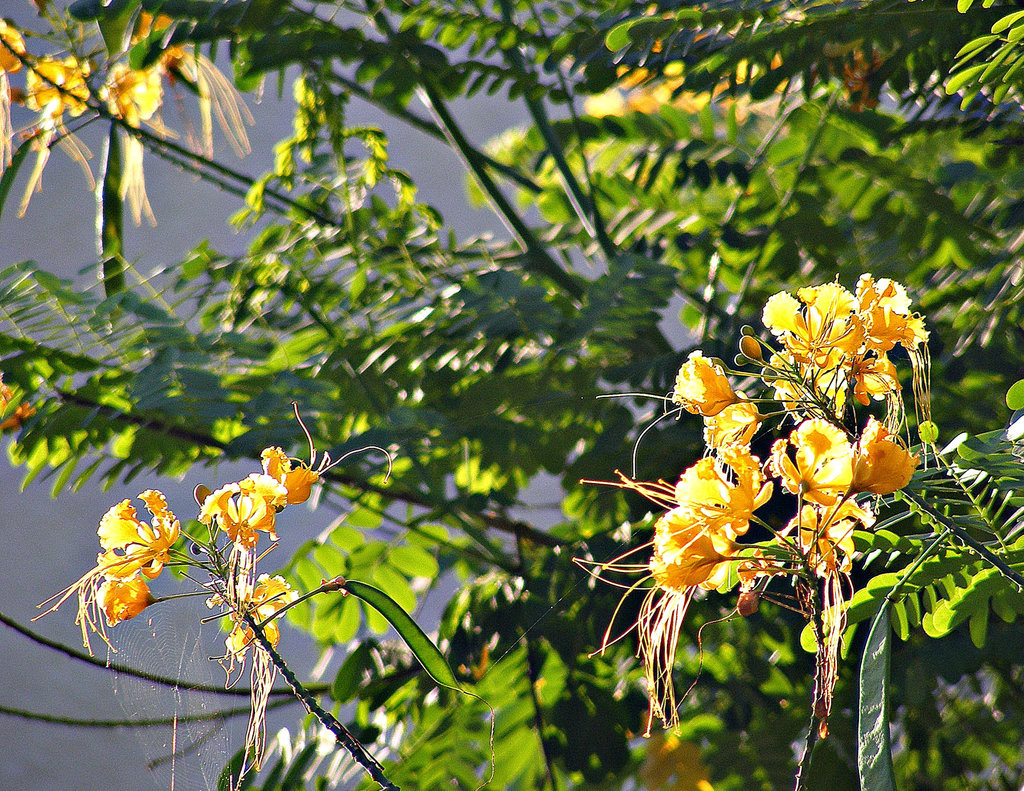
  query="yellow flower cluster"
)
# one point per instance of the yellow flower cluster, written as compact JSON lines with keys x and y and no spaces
{"x":59,"y":86}
{"x":831,"y":359}
{"x":135,"y":552}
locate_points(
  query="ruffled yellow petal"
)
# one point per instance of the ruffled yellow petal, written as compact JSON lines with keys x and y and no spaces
{"x":702,"y":387}
{"x":882,"y":465}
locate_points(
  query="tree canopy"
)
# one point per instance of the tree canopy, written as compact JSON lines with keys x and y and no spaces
{"x":685,"y":165}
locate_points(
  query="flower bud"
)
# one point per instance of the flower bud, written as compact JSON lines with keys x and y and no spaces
{"x":751,"y":347}
{"x":747,"y":603}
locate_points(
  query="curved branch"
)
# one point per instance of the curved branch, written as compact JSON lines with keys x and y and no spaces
{"x":154,"y":678}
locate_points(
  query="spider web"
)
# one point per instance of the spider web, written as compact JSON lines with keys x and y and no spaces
{"x":189,"y":750}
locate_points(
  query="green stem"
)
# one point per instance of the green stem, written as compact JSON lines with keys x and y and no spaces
{"x":964,"y":537}
{"x":538,"y":257}
{"x":425,"y":126}
{"x":583,"y":204}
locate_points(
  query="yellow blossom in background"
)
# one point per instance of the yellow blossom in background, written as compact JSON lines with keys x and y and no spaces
{"x":821,"y":467}
{"x":702,"y":387}
{"x":131,"y":94}
{"x":6,"y":394}
{"x":54,"y":87}
{"x":881,"y":465}
{"x":12,"y":45}
{"x":673,"y":764}
{"x":12,"y":50}
{"x":121,"y":600}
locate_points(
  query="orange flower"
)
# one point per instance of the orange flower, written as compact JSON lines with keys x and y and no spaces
{"x":884,"y":308}
{"x":269,"y":596}
{"x":881,"y":465}
{"x":21,"y":413}
{"x":689,"y":553}
{"x":825,"y":534}
{"x":132,"y":545}
{"x":821,"y":468}
{"x":873,"y":378}
{"x":702,"y":387}
{"x":298,"y":481}
{"x":123,"y":599}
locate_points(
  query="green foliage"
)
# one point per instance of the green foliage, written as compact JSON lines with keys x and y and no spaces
{"x":831,"y":147}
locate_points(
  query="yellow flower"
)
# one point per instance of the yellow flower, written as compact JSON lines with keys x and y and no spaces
{"x":819,"y":326}
{"x":131,"y":94}
{"x":132,"y":545}
{"x":884,"y":308}
{"x":298,"y":481}
{"x":881,"y":465}
{"x":702,"y":387}
{"x":825,"y":534}
{"x":269,"y":596}
{"x":873,"y":378}
{"x":6,"y":394}
{"x":123,"y":599}
{"x":689,"y":553}
{"x":245,"y":508}
{"x":734,"y":425}
{"x":722,"y":500}
{"x":821,"y":468}
{"x":55,"y":86}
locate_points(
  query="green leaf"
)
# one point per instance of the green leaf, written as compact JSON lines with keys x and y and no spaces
{"x":422,"y":647}
{"x":961,"y":78}
{"x":874,"y":750}
{"x":1015,"y":396}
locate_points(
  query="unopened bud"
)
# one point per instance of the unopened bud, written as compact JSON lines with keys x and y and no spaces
{"x":750,"y":347}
